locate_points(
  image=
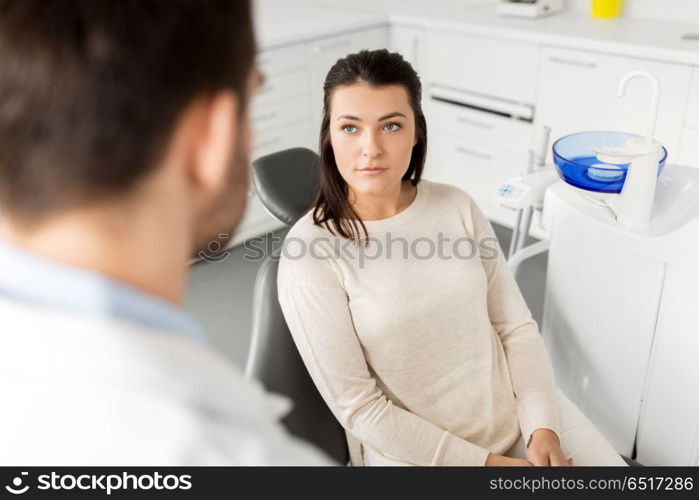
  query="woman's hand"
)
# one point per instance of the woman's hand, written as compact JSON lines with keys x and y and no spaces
{"x":494,"y":460}
{"x":545,"y":449}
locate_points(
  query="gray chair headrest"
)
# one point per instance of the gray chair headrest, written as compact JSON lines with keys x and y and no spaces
{"x":287,"y":182}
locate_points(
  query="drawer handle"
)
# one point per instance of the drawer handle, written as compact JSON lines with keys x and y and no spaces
{"x":693,"y":125}
{"x":573,"y":62}
{"x":317,"y":49}
{"x":476,"y":123}
{"x":472,"y":152}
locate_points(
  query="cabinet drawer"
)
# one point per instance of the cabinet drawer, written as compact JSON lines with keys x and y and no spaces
{"x":277,"y":87}
{"x":294,"y":135}
{"x":491,"y":67}
{"x":275,"y":61}
{"x":274,"y":114}
{"x":478,"y":126}
{"x":475,"y":168}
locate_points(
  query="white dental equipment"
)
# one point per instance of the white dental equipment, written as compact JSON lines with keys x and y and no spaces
{"x":621,"y":320}
{"x":529,"y":8}
{"x":524,"y":194}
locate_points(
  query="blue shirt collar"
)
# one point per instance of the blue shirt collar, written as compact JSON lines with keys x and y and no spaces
{"x":30,"y":278}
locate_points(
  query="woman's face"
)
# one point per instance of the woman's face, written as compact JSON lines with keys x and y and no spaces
{"x":372,"y":132}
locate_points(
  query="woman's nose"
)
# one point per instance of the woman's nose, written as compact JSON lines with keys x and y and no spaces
{"x":372,"y":145}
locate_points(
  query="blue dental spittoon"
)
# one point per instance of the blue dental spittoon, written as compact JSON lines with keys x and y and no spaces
{"x":578,"y":165}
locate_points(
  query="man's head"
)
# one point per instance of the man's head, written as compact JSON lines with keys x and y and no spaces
{"x":115,"y":103}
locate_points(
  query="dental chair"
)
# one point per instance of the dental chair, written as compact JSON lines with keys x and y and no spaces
{"x":286,"y":183}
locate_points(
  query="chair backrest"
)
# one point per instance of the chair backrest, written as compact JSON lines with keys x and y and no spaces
{"x":286,"y":183}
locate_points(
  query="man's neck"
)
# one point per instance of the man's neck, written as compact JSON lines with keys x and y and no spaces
{"x":126,"y":248}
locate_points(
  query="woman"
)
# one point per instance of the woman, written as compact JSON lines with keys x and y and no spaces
{"x":402,"y":306}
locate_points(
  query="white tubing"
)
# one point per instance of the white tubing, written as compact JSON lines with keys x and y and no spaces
{"x":524,"y":230}
{"x":515,"y":234}
{"x":541,"y":146}
{"x":527,"y":253}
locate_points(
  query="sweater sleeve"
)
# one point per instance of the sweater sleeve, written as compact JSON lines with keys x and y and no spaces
{"x":529,"y":365}
{"x":316,"y":308}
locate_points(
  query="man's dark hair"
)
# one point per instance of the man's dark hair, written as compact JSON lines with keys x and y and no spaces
{"x":90,"y":90}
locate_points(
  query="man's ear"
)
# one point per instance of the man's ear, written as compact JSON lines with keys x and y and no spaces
{"x":213,"y":148}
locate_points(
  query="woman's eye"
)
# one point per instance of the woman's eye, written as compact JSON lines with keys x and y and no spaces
{"x":350,"y":129}
{"x":395,"y":125}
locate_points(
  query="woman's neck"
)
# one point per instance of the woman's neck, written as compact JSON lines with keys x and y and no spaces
{"x":372,"y":208}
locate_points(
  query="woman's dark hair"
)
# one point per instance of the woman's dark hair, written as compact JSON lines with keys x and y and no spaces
{"x":377,"y":68}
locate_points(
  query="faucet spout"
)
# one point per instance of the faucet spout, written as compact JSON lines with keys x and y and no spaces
{"x":654,"y":102}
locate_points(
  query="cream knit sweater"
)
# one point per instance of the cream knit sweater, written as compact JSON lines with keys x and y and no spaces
{"x":420,"y":343}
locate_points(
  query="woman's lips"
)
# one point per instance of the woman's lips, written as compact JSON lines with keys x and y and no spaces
{"x":371,"y":170}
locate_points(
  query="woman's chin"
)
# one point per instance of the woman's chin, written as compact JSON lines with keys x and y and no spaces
{"x":374,"y":185}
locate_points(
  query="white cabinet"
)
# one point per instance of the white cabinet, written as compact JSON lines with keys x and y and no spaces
{"x":621,"y":325}
{"x":486,"y":128}
{"x":282,"y":59}
{"x":284,"y":97}
{"x":324,"y":53}
{"x":406,"y":41}
{"x":280,"y":86}
{"x":476,"y":168}
{"x":689,"y":150}
{"x":577,"y":92}
{"x":274,"y":120}
{"x":494,"y":68}
{"x":668,"y":432}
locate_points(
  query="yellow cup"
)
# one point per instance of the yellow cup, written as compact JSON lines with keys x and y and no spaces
{"x":606,"y":9}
